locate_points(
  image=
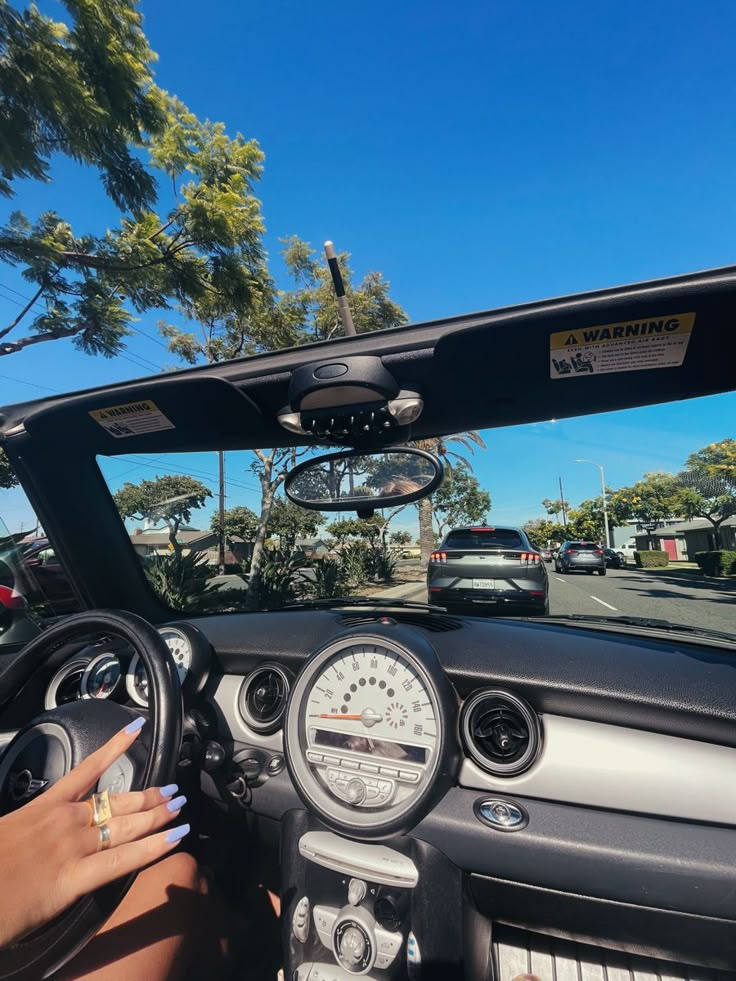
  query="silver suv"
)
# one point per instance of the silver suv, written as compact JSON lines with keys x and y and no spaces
{"x":586,"y":556}
{"x":488,"y":569}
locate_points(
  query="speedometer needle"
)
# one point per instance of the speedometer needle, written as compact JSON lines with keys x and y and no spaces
{"x":338,"y":715}
{"x":368,"y":717}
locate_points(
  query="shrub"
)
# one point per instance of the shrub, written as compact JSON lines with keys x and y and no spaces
{"x":651,"y":559}
{"x":717,"y":563}
{"x":381,"y":563}
{"x":355,"y":561}
{"x":181,"y":583}
{"x":329,"y":579}
{"x":281,"y":580}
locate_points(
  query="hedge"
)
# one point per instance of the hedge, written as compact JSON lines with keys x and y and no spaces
{"x":651,"y":559}
{"x":718,"y":563}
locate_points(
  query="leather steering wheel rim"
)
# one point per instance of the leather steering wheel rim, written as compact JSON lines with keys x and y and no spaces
{"x":50,"y":947}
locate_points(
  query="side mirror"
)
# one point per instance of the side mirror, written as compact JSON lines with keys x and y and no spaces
{"x":364,"y":482}
{"x":11,"y":600}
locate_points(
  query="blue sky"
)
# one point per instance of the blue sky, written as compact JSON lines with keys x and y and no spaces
{"x":478,"y":154}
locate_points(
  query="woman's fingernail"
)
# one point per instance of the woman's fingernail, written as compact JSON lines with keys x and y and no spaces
{"x":136,"y":725}
{"x":169,"y":790}
{"x":177,"y":803}
{"x":176,"y":834}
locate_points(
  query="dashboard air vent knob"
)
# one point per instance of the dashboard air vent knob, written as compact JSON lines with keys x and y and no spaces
{"x":501,"y":732}
{"x":263,"y":697}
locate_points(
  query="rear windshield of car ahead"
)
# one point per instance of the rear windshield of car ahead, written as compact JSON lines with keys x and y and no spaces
{"x":496,"y":538}
{"x":584,"y":546}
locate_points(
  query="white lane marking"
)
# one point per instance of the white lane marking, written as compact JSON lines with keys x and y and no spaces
{"x":603,"y":603}
{"x":560,"y":580}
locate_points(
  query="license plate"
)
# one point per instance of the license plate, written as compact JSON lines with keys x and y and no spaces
{"x":484,"y":584}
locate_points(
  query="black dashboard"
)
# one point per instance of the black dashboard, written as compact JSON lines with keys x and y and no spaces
{"x":581,"y":789}
{"x":565,"y":781}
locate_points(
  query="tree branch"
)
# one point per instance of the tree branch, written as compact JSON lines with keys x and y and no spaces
{"x":12,"y":347}
{"x":24,"y":311}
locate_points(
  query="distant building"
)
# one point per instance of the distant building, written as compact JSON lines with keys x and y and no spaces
{"x":155,"y":541}
{"x":682,"y":539}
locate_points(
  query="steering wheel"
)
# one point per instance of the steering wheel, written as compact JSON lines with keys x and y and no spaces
{"x":53,"y":742}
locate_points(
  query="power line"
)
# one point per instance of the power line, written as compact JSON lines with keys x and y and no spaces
{"x":188,"y":472}
{"x":148,"y":337}
{"x":11,"y":290}
{"x":21,"y":381}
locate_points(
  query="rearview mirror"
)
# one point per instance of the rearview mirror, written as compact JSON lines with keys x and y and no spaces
{"x":363,"y":482}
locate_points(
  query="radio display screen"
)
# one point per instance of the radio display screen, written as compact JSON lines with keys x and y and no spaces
{"x":375,"y":747}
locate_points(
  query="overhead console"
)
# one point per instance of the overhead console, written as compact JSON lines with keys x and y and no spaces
{"x":353,"y":400}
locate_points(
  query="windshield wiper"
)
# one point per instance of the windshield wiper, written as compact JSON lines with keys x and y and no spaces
{"x":338,"y":601}
{"x":647,"y":623}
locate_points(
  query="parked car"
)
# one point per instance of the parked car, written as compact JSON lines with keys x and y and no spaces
{"x":627,"y":551}
{"x":614,"y":560}
{"x":586,"y":556}
{"x":491,"y":569}
{"x":40,"y":560}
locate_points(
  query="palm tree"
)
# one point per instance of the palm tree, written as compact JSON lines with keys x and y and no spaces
{"x":440,"y":446}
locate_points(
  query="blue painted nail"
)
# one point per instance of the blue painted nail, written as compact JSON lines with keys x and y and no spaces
{"x":177,"y":803}
{"x":169,"y":790}
{"x":176,"y":834}
{"x":135,"y":725}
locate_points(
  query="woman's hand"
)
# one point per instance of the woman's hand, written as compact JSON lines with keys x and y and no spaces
{"x":50,"y":853}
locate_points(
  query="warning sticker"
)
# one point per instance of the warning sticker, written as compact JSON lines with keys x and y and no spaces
{"x":132,"y":419}
{"x":659,"y":342}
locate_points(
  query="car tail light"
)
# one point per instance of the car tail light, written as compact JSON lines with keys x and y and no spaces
{"x":572,"y":551}
{"x":529,"y":556}
{"x":536,"y":592}
{"x":438,"y":557}
{"x":598,"y":552}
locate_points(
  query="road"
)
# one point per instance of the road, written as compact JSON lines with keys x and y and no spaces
{"x":676,"y":595}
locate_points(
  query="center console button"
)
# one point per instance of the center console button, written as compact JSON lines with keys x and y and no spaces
{"x":300,"y":920}
{"x":357,"y":890}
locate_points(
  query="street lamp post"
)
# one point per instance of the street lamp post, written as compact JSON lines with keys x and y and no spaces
{"x":606,"y":532}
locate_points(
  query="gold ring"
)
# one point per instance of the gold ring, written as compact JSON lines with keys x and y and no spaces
{"x":101,"y":810}
{"x":105,"y":837}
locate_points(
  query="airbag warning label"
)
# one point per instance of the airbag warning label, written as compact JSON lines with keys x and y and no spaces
{"x":132,"y":419}
{"x":659,"y":342}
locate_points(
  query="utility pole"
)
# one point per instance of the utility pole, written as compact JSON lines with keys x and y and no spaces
{"x":562,"y":504}
{"x":221,"y":543}
{"x":606,"y":530}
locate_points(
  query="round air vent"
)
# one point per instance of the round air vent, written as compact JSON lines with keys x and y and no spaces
{"x":263,"y":697}
{"x":501,"y":732}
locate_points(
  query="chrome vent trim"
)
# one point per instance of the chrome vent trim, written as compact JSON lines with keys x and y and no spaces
{"x":263,"y":697}
{"x":501,"y":732}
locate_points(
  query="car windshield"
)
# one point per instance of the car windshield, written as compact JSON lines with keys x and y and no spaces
{"x":670,"y":536}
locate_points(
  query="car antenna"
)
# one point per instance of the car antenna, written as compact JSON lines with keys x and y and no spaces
{"x":342,"y":303}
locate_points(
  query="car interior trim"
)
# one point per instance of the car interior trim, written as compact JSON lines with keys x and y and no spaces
{"x":598,"y":765}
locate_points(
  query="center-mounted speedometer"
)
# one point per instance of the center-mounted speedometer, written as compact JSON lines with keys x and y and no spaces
{"x":365,"y":731}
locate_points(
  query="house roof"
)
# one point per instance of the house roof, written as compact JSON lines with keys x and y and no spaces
{"x":699,"y":524}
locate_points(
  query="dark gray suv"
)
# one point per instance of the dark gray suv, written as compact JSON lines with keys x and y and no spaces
{"x":586,"y":556}
{"x":488,"y":569}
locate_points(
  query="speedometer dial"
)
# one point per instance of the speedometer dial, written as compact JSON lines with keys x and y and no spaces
{"x":179,"y":648}
{"x":365,"y":731}
{"x":101,"y":677}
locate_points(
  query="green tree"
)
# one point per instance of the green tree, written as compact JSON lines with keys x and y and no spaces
{"x":8,"y":478}
{"x":313,"y":304}
{"x":86,"y":91}
{"x":460,"y":500}
{"x":586,"y":521}
{"x":542,"y":532}
{"x":709,"y":497}
{"x":555,"y":506}
{"x":400,"y":538}
{"x":345,"y":529}
{"x":715,"y":460}
{"x":240,"y":522}
{"x":653,"y":499}
{"x":171,"y":499}
{"x":288,"y":522}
